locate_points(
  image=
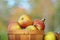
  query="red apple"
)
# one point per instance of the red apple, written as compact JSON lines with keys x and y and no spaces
{"x":24,"y":21}
{"x":39,"y":24}
{"x":13,"y":26}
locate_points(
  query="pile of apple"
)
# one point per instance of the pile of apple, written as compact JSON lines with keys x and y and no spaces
{"x":25,"y":22}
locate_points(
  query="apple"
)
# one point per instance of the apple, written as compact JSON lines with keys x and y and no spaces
{"x":31,"y":27}
{"x":39,"y":24}
{"x":24,"y":21}
{"x":13,"y":26}
{"x":50,"y":36}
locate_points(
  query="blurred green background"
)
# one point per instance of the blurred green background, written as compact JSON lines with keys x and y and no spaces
{"x":38,"y":9}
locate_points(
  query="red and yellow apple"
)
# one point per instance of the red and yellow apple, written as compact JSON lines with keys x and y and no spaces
{"x":13,"y":26}
{"x":39,"y":24}
{"x":31,"y":27}
{"x":24,"y":21}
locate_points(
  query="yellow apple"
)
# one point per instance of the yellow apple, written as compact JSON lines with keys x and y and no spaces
{"x":24,"y":21}
{"x":13,"y":26}
{"x":38,"y":27}
{"x":31,"y":27}
{"x":50,"y":36}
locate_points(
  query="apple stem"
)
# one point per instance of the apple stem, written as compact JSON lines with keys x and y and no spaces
{"x":43,"y":20}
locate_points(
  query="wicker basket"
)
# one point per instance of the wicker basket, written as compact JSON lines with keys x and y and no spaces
{"x":58,"y":36}
{"x":25,"y":35}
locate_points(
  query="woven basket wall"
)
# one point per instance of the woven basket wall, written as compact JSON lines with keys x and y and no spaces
{"x":58,"y":36}
{"x":25,"y":35}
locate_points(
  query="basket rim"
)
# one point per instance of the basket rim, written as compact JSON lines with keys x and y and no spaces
{"x":26,"y":32}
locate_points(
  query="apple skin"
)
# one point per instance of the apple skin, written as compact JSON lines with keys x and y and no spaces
{"x":39,"y":24}
{"x":13,"y":26}
{"x":24,"y":21}
{"x":50,"y":36}
{"x":31,"y":27}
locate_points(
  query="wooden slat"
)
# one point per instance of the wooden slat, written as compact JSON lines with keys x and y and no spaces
{"x":26,"y":35}
{"x":36,"y":37}
{"x":11,"y":37}
{"x":17,"y":37}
